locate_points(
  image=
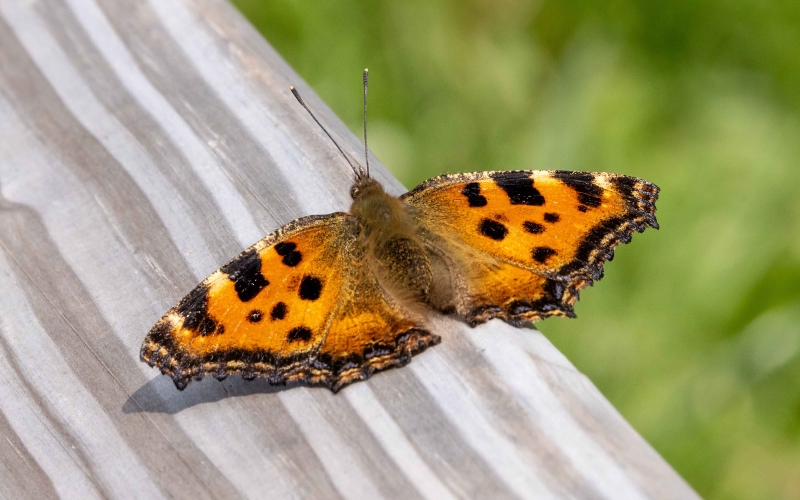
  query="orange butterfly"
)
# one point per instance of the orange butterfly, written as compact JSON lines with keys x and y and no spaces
{"x":331,"y":299}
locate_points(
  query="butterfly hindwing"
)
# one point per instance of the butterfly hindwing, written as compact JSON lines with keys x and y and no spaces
{"x":546,"y":235}
{"x":370,"y":332}
{"x":516,"y":295}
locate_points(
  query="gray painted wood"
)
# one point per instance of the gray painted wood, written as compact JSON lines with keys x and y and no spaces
{"x":142,"y":145}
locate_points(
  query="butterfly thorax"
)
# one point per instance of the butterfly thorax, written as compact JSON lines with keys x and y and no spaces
{"x":388,"y":232}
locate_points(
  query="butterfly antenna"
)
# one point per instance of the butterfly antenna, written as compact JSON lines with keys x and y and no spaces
{"x":366,"y":151}
{"x":302,"y":103}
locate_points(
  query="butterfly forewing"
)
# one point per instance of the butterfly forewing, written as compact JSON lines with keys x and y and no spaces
{"x":263,"y":313}
{"x":559,"y":224}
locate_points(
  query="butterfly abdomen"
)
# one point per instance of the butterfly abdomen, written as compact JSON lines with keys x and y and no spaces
{"x":405,"y":264}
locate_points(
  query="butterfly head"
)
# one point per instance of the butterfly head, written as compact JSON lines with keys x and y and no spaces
{"x":365,"y":186}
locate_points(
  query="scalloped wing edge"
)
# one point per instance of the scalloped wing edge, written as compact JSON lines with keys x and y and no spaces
{"x":559,"y":301}
{"x":320,"y":370}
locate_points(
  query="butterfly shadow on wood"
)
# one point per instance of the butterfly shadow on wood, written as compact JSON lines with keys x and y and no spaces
{"x":159,"y":396}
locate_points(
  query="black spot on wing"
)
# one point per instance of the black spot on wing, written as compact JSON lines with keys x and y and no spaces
{"x":310,"y":288}
{"x":589,"y":200}
{"x":551,"y":218}
{"x":245,"y":272}
{"x":541,"y":254}
{"x":493,"y":229}
{"x":278,"y":311}
{"x":625,"y":185}
{"x":194,"y":311}
{"x":194,"y":307}
{"x":207,"y":326}
{"x":583,"y":208}
{"x":473,"y":193}
{"x":287,"y":250}
{"x":589,"y":193}
{"x":293,"y":258}
{"x":255,"y":316}
{"x":533,"y":227}
{"x":519,"y":188}
{"x":300,"y":333}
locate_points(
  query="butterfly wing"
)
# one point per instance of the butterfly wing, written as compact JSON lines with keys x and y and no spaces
{"x":370,"y":332}
{"x":527,"y":241}
{"x":291,"y":307}
{"x":507,"y":291}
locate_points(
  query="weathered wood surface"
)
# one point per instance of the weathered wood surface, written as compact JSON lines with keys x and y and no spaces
{"x":142,"y":145}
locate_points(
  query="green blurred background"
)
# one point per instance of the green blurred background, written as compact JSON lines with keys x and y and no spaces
{"x":694,"y":334}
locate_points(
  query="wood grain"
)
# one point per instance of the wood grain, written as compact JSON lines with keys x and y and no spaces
{"x":142,"y":145}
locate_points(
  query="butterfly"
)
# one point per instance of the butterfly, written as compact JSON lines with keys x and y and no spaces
{"x":331,"y":299}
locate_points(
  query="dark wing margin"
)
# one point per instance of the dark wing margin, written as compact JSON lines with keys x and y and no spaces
{"x":558,"y":300}
{"x":598,"y":245}
{"x":336,"y":373}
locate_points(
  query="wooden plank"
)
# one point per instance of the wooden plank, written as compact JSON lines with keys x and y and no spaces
{"x":142,"y":145}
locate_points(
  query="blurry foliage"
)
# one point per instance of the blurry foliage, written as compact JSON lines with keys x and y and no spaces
{"x":694,"y":335}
